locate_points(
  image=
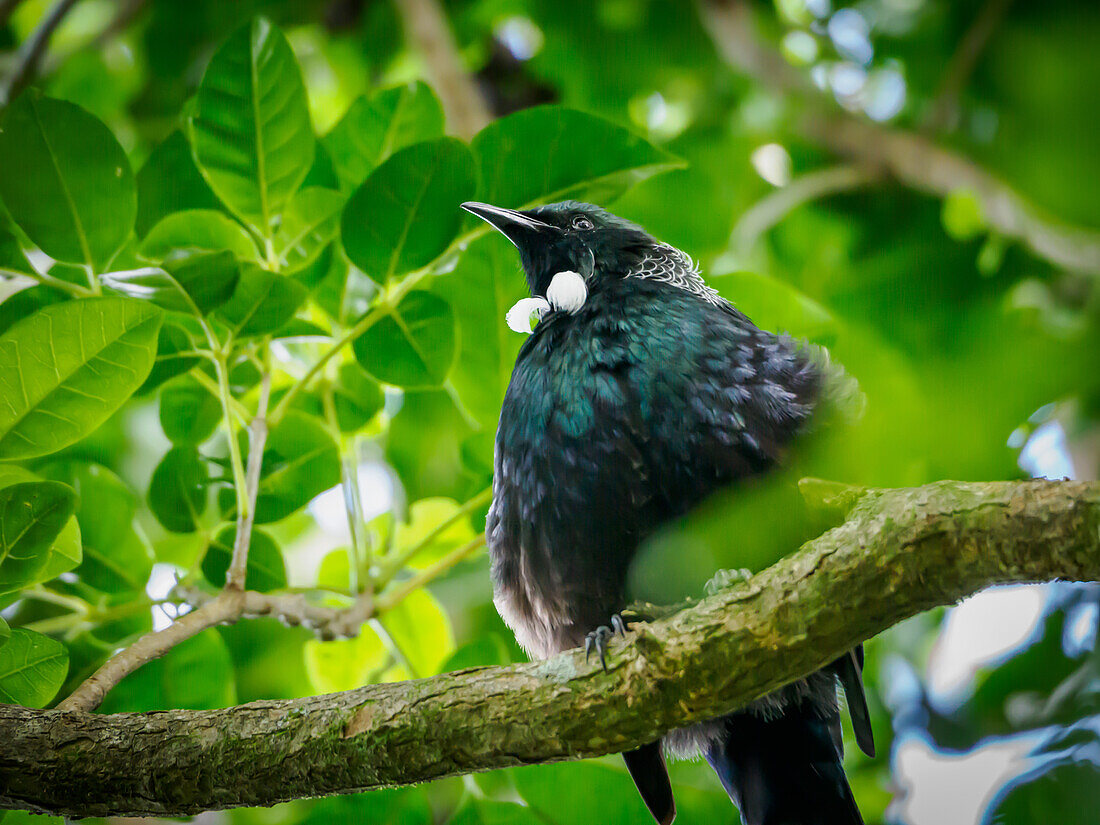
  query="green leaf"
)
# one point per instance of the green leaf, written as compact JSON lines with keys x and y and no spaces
{"x":27,"y":302}
{"x":491,"y":812}
{"x":425,"y":516}
{"x":189,"y":412}
{"x":152,"y":284}
{"x":32,"y":668}
{"x":377,"y":125}
{"x":170,"y":182}
{"x":548,"y":153}
{"x":197,"y":229}
{"x":177,"y":490}
{"x":12,"y":256}
{"x":251,"y":133}
{"x":32,"y":515}
{"x":209,"y":278}
{"x":116,"y":558}
{"x":356,"y":397}
{"x":777,"y":306}
{"x":196,"y":675}
{"x":262,"y":302}
{"x":309,"y":223}
{"x":65,"y":369}
{"x":423,"y":445}
{"x":963,"y":216}
{"x":481,"y":290}
{"x":65,"y":180}
{"x":265,"y":571}
{"x":65,"y":552}
{"x":421,"y":630}
{"x":609,"y":797}
{"x":300,"y":461}
{"x":406,"y":213}
{"x":344,"y":664}
{"x":5,"y":631}
{"x":412,"y":345}
{"x":174,"y":348}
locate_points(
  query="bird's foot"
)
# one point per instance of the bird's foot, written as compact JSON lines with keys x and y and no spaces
{"x":726,"y":578}
{"x":597,"y":640}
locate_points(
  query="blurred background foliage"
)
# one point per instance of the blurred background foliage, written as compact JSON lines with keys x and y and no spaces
{"x":975,"y":342}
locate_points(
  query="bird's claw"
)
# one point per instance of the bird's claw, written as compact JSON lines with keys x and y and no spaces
{"x":619,"y":624}
{"x":598,"y":639}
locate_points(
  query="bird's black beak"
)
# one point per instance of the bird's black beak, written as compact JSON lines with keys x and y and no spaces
{"x":518,"y":227}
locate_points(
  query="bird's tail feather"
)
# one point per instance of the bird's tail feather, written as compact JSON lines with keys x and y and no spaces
{"x":647,"y":769}
{"x":784,"y":770}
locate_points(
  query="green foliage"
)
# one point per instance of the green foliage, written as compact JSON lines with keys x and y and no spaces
{"x":292,"y":243}
{"x":266,"y":570}
{"x":413,"y":344}
{"x":32,"y":668}
{"x":377,"y":125}
{"x":251,"y":132}
{"x":32,"y":516}
{"x":66,"y":181}
{"x":66,"y":368}
{"x":402,"y":217}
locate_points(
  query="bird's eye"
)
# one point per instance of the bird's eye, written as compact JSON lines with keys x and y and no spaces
{"x":581,"y":222}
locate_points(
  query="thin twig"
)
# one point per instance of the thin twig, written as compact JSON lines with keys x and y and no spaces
{"x":388,"y":601}
{"x":944,"y":111}
{"x":226,"y":608}
{"x":294,"y":610}
{"x":31,"y":52}
{"x":776,"y":205}
{"x":398,"y":563}
{"x":429,"y":34}
{"x":76,"y":290}
{"x":257,"y":438}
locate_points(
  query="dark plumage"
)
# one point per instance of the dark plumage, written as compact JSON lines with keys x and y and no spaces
{"x":623,"y":412}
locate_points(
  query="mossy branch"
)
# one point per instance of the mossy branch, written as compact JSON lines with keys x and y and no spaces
{"x":897,"y":553}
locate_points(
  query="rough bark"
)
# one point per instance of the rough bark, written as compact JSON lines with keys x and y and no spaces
{"x":898,"y":552}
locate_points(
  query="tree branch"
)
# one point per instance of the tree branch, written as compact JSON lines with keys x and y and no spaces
{"x":898,"y":553}
{"x":910,"y":158}
{"x":428,"y":33}
{"x":32,"y":51}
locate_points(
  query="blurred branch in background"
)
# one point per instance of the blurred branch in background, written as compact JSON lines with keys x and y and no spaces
{"x":775,"y":206}
{"x":912,"y":159}
{"x":30,"y":54}
{"x":898,"y":552}
{"x":429,"y":35}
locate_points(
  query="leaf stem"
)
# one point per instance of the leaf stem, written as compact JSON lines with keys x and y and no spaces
{"x":388,"y":300}
{"x":390,"y":643}
{"x":212,"y":386}
{"x":394,"y":566}
{"x":257,"y":437}
{"x":388,"y":601}
{"x":76,"y":290}
{"x":226,"y":397}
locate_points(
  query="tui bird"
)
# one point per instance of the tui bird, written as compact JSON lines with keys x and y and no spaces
{"x":639,"y":392}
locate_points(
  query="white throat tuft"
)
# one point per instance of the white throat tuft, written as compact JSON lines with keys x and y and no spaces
{"x":567,"y":292}
{"x":519,"y":316}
